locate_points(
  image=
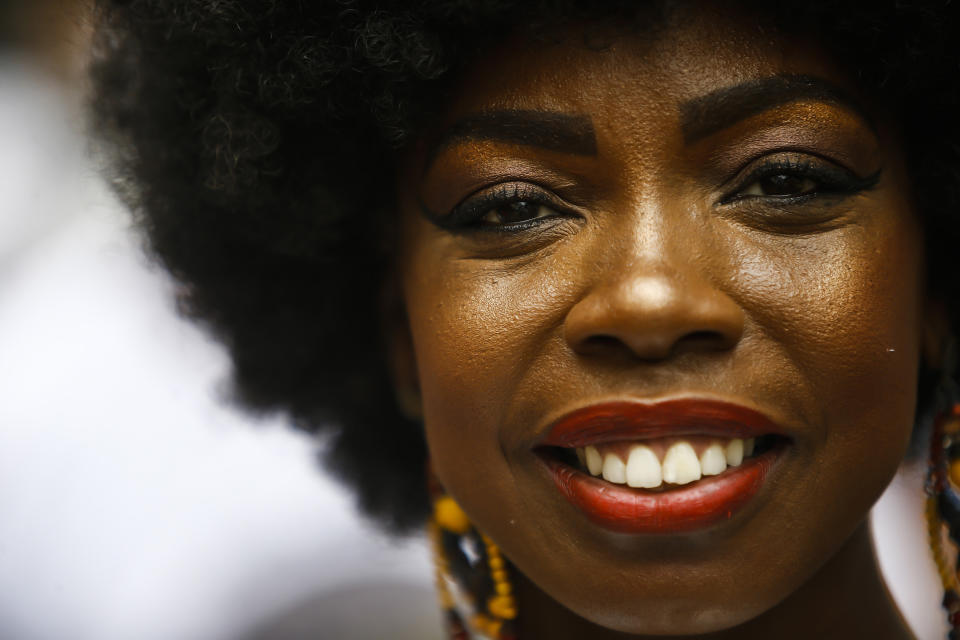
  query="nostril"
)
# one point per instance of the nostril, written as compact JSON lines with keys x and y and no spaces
{"x":602,"y":344}
{"x":611,"y":345}
{"x":704,"y":339}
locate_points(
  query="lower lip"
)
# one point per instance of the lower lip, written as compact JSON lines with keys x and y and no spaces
{"x":625,"y":510}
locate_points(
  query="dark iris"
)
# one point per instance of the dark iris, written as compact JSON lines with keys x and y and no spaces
{"x":785,"y":184}
{"x":514,"y":212}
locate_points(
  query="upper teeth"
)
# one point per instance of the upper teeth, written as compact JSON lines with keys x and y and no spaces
{"x":614,"y":470}
{"x":594,"y":460}
{"x":713,"y":460}
{"x":643,"y":468}
{"x":680,"y":464}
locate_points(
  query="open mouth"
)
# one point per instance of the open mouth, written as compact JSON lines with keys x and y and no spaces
{"x":669,"y":467}
{"x":662,"y":464}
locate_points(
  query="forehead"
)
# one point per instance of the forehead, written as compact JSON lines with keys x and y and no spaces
{"x":639,"y":73}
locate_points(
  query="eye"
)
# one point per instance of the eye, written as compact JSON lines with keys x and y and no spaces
{"x":781,"y":184}
{"x":795,"y":179}
{"x":507,"y":208}
{"x":513,"y":213}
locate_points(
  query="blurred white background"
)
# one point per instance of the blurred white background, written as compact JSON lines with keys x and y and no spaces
{"x":134,"y":504}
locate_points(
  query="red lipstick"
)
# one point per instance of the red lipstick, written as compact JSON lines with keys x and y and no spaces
{"x":634,"y":421}
{"x":679,"y":509}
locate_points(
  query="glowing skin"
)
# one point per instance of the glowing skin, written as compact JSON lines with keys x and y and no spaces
{"x":664,"y":268}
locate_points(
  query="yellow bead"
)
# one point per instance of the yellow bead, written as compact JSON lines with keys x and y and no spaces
{"x":952,"y":426}
{"x":480,"y":622}
{"x":503,"y":588}
{"x":499,"y":575}
{"x":955,"y":472}
{"x":446,"y":601}
{"x":450,"y":516}
{"x":502,"y":606}
{"x":496,"y":563}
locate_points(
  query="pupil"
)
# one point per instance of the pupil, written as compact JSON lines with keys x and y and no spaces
{"x":518,"y":211}
{"x":783,"y":184}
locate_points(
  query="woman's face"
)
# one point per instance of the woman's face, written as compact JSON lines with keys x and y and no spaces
{"x":690,"y":235}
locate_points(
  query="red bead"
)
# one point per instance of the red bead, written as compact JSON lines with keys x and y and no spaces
{"x":955,"y":619}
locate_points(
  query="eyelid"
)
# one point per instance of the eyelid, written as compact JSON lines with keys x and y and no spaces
{"x":841,"y":142}
{"x":466,"y":214}
{"x":841,"y":180}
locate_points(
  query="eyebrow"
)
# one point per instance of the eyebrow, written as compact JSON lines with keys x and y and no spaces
{"x":550,"y":130}
{"x":720,"y":109}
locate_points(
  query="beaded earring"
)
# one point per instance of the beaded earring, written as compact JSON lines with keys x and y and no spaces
{"x":943,"y":509}
{"x":473,"y":578}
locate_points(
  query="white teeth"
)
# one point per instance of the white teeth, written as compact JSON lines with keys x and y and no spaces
{"x":735,"y":452}
{"x":614,"y":470}
{"x":643,"y":468}
{"x":594,"y":460}
{"x":581,"y":456}
{"x":680,"y":465}
{"x":713,"y":460}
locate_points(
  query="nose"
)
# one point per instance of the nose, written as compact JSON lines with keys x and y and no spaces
{"x":652,"y":311}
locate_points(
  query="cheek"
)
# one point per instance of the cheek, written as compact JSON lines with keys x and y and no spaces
{"x":479,"y":330}
{"x":842,"y":316}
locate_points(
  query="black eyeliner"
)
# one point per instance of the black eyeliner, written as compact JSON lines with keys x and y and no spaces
{"x":466,"y":215}
{"x":833,"y":181}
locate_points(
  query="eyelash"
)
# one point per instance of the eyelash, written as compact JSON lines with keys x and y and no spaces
{"x":468,"y":216}
{"x":828,"y":178}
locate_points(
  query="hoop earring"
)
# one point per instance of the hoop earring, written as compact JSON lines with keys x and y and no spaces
{"x":473,"y":578}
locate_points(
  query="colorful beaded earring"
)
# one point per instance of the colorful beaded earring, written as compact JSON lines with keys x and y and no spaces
{"x":473,"y":578}
{"x":943,"y":509}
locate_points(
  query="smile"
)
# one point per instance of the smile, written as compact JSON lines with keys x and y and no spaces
{"x":668,"y":467}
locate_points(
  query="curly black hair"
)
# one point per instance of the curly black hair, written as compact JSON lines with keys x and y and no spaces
{"x":255,"y":141}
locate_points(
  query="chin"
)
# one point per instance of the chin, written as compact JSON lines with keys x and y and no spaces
{"x":671,"y":617}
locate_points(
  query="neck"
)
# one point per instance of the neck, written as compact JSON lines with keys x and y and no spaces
{"x":846,"y":598}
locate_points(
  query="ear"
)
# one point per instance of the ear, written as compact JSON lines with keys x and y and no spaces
{"x":936,"y":334}
{"x":401,"y":356}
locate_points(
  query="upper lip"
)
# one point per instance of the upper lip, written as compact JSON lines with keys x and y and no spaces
{"x":631,"y":420}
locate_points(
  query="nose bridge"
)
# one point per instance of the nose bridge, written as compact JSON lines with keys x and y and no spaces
{"x":664,"y":260}
{"x":656,"y":292}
